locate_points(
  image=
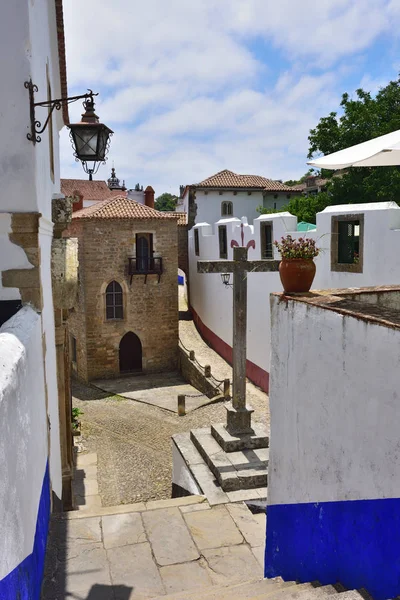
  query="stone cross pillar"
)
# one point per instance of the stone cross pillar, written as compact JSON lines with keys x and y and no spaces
{"x":239,"y":414}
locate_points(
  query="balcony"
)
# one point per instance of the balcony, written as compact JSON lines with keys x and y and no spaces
{"x":145,"y":266}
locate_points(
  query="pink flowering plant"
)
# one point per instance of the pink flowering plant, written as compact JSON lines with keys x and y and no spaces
{"x":304,"y":248}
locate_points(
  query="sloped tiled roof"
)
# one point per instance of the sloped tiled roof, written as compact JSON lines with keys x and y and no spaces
{"x":182,"y":216}
{"x":121,"y":207}
{"x":90,"y":190}
{"x":229,"y":179}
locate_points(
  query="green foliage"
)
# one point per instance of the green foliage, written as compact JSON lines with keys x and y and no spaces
{"x":362,"y":119}
{"x":166,"y":202}
{"x":305,"y":208}
{"x":302,"y":179}
{"x":76,"y":413}
{"x":267,"y":211}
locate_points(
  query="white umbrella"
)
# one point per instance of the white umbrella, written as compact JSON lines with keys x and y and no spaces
{"x":383,"y":151}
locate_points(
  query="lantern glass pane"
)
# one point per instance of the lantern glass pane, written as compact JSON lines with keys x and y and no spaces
{"x":86,"y":142}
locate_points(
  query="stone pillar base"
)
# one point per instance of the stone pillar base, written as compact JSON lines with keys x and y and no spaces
{"x":238,"y":421}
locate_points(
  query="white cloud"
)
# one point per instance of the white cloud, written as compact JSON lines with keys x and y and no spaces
{"x":187,"y":94}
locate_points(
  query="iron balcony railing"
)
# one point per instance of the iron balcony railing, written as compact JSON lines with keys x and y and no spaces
{"x":145,"y":266}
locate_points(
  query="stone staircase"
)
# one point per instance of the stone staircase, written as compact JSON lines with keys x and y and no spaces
{"x":238,"y":463}
{"x":265,"y":589}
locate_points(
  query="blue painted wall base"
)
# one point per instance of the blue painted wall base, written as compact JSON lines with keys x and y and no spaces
{"x":354,"y":542}
{"x":25,"y":581}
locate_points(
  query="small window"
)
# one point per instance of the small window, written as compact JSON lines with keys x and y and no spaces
{"x":144,"y":252}
{"x":73,"y":349}
{"x":196,"y":242}
{"x":347,"y":243}
{"x":226,"y":209}
{"x":274,"y":205}
{"x":114,"y":301}
{"x":223,"y":242}
{"x":267,"y":250}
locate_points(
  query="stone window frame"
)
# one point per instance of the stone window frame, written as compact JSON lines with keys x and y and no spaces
{"x":263,"y":224}
{"x":346,"y":267}
{"x":74,"y":351}
{"x":196,"y":239}
{"x":226,"y":208}
{"x":223,"y":242}
{"x":104,"y":303}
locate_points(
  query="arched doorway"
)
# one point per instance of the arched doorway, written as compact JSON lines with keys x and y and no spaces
{"x":130,"y":353}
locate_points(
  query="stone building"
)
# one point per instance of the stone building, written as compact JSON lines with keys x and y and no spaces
{"x":126,"y":318}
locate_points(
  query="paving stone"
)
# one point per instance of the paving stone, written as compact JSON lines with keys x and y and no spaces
{"x":195,"y":507}
{"x":187,"y":576}
{"x":263,"y":492}
{"x":102,"y":511}
{"x":208,"y":485}
{"x":134,"y":567}
{"x":251,"y":529}
{"x":232,"y":564}
{"x":259,"y":553}
{"x":83,"y":460}
{"x":87,"y":502}
{"x":187,"y":500}
{"x":86,"y":487}
{"x":261,"y":519}
{"x":240,"y":495}
{"x":88,"y":567}
{"x":169,"y":537}
{"x":84,"y":531}
{"x":123,"y":530}
{"x":87,"y":472}
{"x":213,"y":528}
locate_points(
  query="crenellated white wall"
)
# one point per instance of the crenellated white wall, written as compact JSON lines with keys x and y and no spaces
{"x":212,"y":301}
{"x":23,"y":440}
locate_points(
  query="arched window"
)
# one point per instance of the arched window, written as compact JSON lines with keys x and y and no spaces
{"x":114,"y":301}
{"x":226,"y":209}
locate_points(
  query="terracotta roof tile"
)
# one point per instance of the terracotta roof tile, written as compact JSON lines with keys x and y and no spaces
{"x":121,"y":207}
{"x":182,"y":216}
{"x":228,"y":179}
{"x":89,"y":190}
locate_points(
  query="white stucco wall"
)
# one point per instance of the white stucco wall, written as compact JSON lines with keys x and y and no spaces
{"x":209,"y":205}
{"x":212,"y":301}
{"x":28,"y":35}
{"x":23,"y":440}
{"x":335,"y":403}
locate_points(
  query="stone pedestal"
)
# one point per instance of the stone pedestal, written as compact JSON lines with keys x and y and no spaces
{"x":225,"y":466}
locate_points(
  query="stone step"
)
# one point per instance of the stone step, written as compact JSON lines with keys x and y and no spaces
{"x":243,"y":441}
{"x":260,"y":589}
{"x":239,"y":470}
{"x":304,"y":591}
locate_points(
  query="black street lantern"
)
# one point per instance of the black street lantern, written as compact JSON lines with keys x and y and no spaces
{"x":90,"y":138}
{"x":226,"y":278}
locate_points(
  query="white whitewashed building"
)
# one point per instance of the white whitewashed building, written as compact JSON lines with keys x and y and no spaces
{"x":228,"y":194}
{"x":31,"y":475}
{"x":360,"y":247}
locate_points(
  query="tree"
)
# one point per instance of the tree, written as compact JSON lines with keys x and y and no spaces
{"x":166,"y":202}
{"x":302,"y":179}
{"x":363,"y":118}
{"x":305,"y":208}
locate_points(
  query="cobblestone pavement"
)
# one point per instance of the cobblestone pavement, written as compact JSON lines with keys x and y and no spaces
{"x":133,"y":440}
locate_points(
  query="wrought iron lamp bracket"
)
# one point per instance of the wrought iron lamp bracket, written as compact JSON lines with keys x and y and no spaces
{"x":36,"y":126}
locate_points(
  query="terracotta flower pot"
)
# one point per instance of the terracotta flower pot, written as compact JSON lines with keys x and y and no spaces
{"x":297,"y":274}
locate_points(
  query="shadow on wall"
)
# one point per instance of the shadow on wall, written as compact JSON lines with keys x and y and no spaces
{"x":56,"y":585}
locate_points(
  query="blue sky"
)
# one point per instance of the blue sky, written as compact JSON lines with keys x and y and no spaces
{"x":191,"y":87}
